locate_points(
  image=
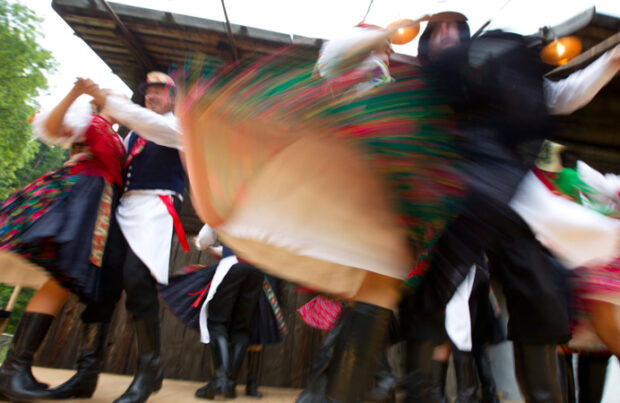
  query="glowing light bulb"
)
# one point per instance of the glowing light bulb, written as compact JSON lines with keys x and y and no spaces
{"x":560,"y":49}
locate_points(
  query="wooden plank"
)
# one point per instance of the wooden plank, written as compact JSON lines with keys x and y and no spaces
{"x":112,"y":386}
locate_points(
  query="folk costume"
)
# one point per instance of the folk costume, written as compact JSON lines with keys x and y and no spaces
{"x":320,"y":185}
{"x":147,"y":215}
{"x":223,"y":303}
{"x":61,"y":222}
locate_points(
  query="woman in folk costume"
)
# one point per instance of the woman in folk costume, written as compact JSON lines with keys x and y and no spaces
{"x":60,"y":222}
{"x":221,"y":302}
{"x":323,"y":185}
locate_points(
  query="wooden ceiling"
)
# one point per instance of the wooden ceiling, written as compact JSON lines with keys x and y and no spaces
{"x":133,"y":41}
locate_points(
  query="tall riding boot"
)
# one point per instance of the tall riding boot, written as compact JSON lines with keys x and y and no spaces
{"x":90,"y":364}
{"x":149,"y":375}
{"x":591,"y":372}
{"x":362,"y":337}
{"x":466,"y":376}
{"x":485,"y":374}
{"x":237,"y":355}
{"x":420,"y":382}
{"x":566,"y":377}
{"x":16,"y":379}
{"x":536,"y":369}
{"x":254,"y":363}
{"x":220,"y":384}
{"x":317,"y":380}
{"x":439,"y":372}
{"x":385,"y":385}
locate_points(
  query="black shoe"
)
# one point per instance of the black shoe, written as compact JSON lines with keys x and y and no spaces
{"x":536,"y":368}
{"x":466,"y":376}
{"x":221,"y":384}
{"x":16,"y":379}
{"x":90,"y":364}
{"x":361,"y":338}
{"x":254,"y":363}
{"x":149,"y":375}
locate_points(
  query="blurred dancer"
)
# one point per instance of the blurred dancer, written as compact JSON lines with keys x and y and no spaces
{"x":61,"y":222}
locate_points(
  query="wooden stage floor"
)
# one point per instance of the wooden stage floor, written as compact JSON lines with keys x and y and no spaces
{"x":173,"y":391}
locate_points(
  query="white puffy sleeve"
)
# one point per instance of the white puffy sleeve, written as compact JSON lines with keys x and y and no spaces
{"x":336,"y":53}
{"x":160,"y":129}
{"x":74,"y":124}
{"x":606,"y":187}
{"x":206,"y":237}
{"x":577,"y":90}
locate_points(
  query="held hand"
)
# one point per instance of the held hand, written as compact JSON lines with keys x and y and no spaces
{"x":615,"y":55}
{"x":79,"y":86}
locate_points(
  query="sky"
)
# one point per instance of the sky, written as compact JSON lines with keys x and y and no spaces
{"x":312,"y":18}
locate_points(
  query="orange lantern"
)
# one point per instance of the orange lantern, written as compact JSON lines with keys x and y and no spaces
{"x":406,"y":30}
{"x":561,"y":50}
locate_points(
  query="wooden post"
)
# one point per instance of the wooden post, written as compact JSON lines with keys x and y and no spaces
{"x":9,"y":307}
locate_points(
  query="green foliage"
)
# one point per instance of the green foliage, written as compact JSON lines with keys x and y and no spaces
{"x":20,"y":305}
{"x":23,"y":65}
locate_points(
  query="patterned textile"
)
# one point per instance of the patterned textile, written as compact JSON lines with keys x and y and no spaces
{"x":403,"y":132}
{"x":320,"y":312}
{"x":102,"y":225}
{"x":275,"y":306}
{"x":31,"y":202}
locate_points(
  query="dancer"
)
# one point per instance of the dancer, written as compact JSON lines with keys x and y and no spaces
{"x":153,"y":185}
{"x":61,"y":222}
{"x":228,"y":295}
{"x":377,"y":189}
{"x":474,"y":70}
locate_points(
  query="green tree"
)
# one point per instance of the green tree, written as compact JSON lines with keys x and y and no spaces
{"x":23,"y":66}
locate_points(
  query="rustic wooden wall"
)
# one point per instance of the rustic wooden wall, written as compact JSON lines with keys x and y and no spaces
{"x":183,"y":356}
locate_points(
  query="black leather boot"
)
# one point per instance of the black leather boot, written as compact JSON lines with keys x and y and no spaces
{"x":16,"y":379}
{"x":536,"y":369}
{"x":439,"y":371}
{"x":591,"y":372}
{"x":90,"y":364}
{"x":361,"y":338}
{"x":149,"y":375}
{"x":466,"y":376}
{"x":237,"y":355}
{"x":314,"y":392}
{"x":254,"y":363}
{"x":220,"y":384}
{"x":566,"y":377}
{"x":420,"y":382}
{"x":485,"y":374}
{"x":385,"y":382}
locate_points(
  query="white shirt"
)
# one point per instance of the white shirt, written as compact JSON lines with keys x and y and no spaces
{"x":577,"y":90}
{"x":142,"y":216}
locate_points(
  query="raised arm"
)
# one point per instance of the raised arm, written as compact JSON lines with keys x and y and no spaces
{"x":54,"y":122}
{"x":577,"y":90}
{"x":160,"y":129}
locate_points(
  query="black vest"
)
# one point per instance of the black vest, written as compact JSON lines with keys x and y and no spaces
{"x":156,"y":167}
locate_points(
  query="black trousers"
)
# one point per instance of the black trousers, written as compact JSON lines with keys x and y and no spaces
{"x":123,"y":270}
{"x":534,"y":282}
{"x":233,"y":305}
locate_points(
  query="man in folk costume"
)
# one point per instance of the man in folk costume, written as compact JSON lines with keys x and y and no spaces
{"x":522,"y":265}
{"x":147,"y":213}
